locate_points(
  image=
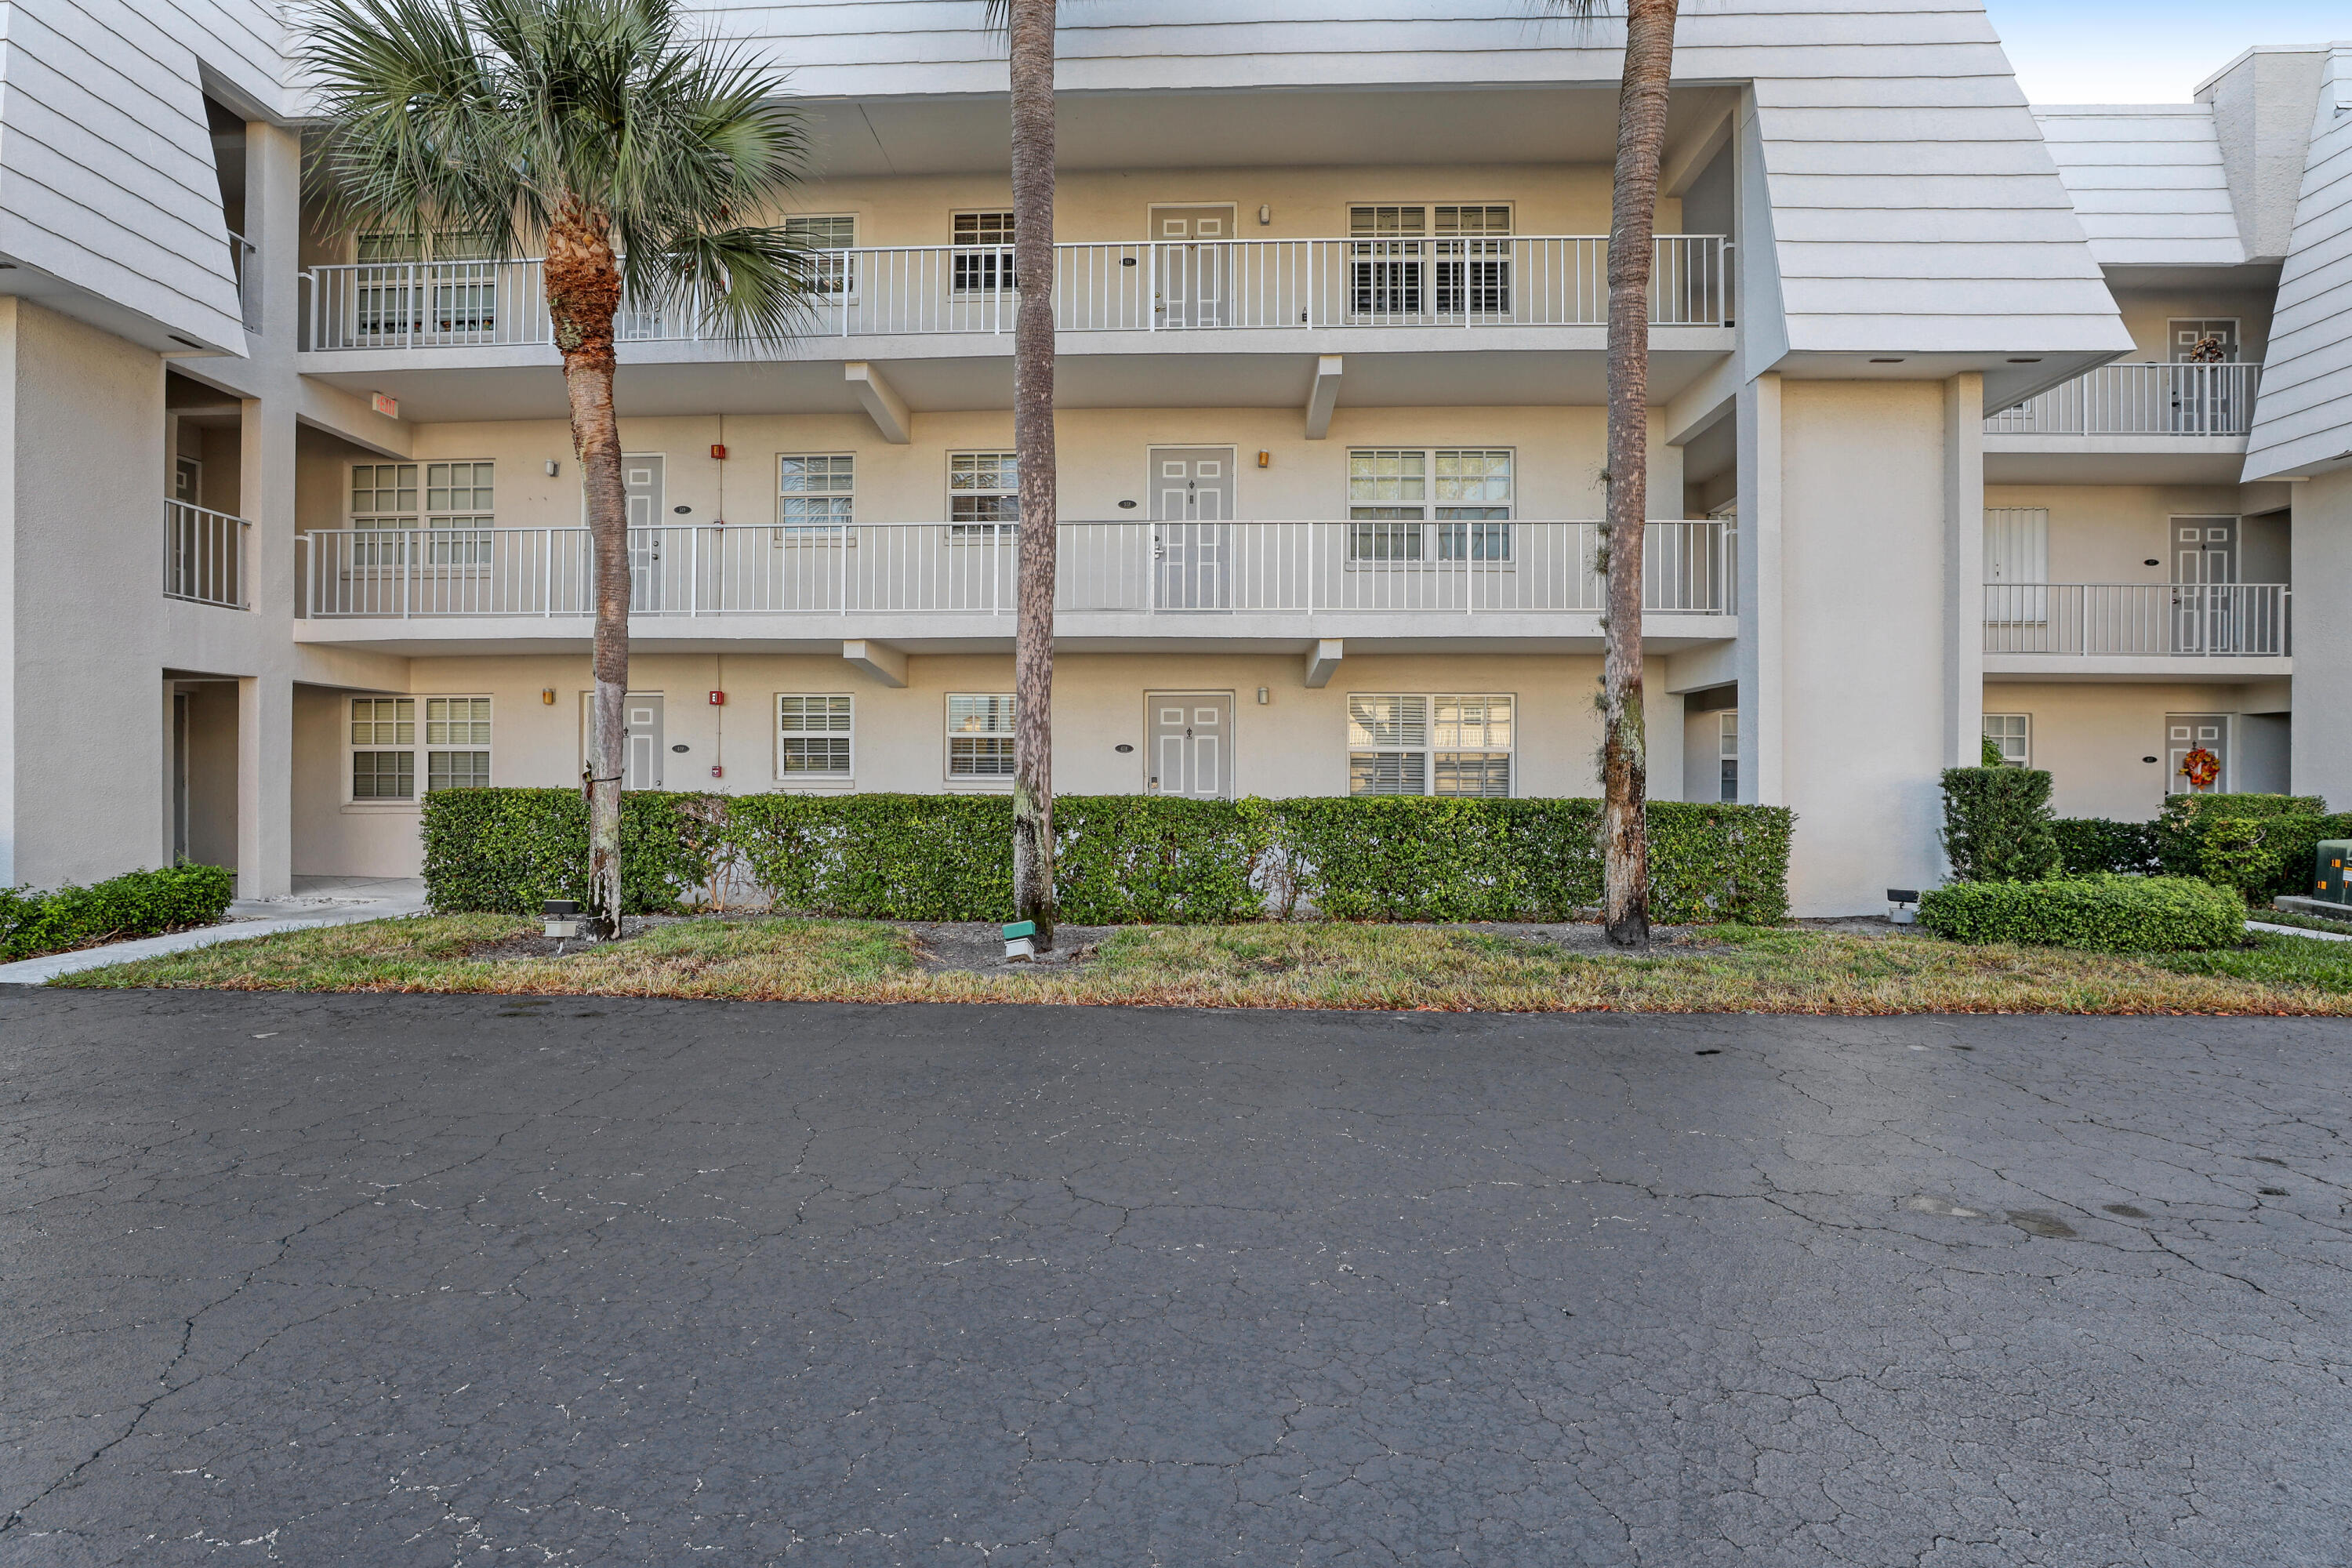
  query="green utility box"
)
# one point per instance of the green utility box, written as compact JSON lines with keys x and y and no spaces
{"x":2329,"y":878}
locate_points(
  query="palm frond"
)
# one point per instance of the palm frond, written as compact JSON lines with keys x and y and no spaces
{"x":500,"y":118}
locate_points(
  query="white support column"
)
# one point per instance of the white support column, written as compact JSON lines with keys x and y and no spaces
{"x":881,"y":402}
{"x":1323,"y":662}
{"x":885,"y":664}
{"x":265,"y":770}
{"x":1662,"y":727}
{"x":2319,"y":757}
{"x":1963,"y":569}
{"x":1761,"y":781}
{"x":1324,"y":396}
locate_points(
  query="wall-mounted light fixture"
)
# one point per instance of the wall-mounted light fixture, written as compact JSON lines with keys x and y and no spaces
{"x":547,"y":695}
{"x":1265,"y":459}
{"x":1264,"y":214}
{"x":553,"y":468}
{"x":1262,"y":698}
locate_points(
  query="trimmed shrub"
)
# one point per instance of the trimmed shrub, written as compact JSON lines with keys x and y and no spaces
{"x":137,"y":904}
{"x":2089,"y":844}
{"x":505,"y":851}
{"x":1997,"y":824}
{"x":1121,"y":858}
{"x":2186,"y":819}
{"x":2104,"y":913}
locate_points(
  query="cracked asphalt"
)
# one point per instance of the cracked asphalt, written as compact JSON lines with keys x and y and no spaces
{"x":447,"y":1280}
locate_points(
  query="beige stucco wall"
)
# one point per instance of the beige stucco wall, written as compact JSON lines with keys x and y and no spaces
{"x":1559,"y":453}
{"x":2092,"y":737}
{"x":1861,"y":608}
{"x":1295,"y":743}
{"x":83,"y":509}
{"x":2109,"y":534}
{"x":2323,"y":641}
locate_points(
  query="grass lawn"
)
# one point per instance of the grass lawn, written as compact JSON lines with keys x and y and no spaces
{"x":1302,"y":964}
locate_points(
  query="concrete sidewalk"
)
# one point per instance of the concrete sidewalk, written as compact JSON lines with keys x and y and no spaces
{"x":315,"y":901}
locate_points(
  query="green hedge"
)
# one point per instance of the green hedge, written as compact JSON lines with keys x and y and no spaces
{"x":137,"y":904}
{"x":2092,"y":844}
{"x":1121,"y":859}
{"x":2105,"y":914}
{"x":1997,"y":824}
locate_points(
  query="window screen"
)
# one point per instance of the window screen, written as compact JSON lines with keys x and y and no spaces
{"x":813,"y":737}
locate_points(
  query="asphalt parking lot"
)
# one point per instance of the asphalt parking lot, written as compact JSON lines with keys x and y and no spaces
{"x":388,"y":1280}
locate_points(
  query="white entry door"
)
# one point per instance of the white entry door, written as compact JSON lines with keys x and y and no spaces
{"x":641,"y":743}
{"x":1192,"y":744}
{"x":641,"y":485}
{"x":1191,"y":498}
{"x":1193,"y":265}
{"x":2204,"y":578}
{"x":2186,"y":732}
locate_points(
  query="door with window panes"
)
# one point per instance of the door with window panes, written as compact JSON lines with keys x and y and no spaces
{"x":1430,"y":528}
{"x":1192,"y":499}
{"x":829,"y":241}
{"x":421,"y":541}
{"x":976,"y":570}
{"x":816,"y":513}
{"x":1411,"y":263}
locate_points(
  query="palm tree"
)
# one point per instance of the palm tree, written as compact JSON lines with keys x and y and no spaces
{"x":1030,"y":25}
{"x":632,"y":153}
{"x":1633,"y":205}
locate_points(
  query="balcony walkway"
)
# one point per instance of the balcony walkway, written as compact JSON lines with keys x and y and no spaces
{"x":1138,"y":287}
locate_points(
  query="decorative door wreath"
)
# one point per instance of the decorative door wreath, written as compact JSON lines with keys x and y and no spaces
{"x":2200,"y":768}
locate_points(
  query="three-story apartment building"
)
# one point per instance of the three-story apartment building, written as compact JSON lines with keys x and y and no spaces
{"x":1969,"y":419}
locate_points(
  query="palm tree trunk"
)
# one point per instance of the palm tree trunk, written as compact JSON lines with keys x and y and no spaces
{"x":1641,"y":139}
{"x":1032,"y":29}
{"x":583,"y":293}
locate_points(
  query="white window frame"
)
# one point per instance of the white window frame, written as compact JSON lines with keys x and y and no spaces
{"x":1727,"y":748}
{"x":961,"y":707}
{"x":2023,"y":735}
{"x":465,"y":534}
{"x":839,"y":703}
{"x":1435,"y":529}
{"x":976,"y":529}
{"x":831,"y":276}
{"x":1421,"y":735}
{"x":417,"y":715}
{"x":979,"y":265}
{"x":841,"y":526}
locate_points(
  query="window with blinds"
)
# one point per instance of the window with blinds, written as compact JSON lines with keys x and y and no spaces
{"x":453,"y":503}
{"x":1410,"y":262}
{"x":816,"y":497}
{"x":812,"y":736}
{"x":1424,"y":504}
{"x":979,"y":735}
{"x":983,"y":259}
{"x":1449,"y":744}
{"x":983,"y":496}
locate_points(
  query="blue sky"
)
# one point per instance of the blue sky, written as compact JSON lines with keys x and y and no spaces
{"x":2148,"y":51}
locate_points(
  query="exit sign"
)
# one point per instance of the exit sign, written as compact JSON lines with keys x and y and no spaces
{"x":387,"y":406}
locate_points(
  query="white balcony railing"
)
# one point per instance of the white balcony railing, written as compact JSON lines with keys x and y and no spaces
{"x":2139,"y":400}
{"x":1110,"y":287}
{"x":1141,"y":569}
{"x":204,"y":555}
{"x":2202,"y":620}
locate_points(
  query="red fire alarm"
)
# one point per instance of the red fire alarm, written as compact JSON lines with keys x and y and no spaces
{"x":718,"y":452}
{"x":716,"y":771}
{"x":717,"y":699}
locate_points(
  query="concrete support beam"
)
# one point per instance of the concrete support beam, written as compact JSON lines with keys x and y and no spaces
{"x":1323,"y":662}
{"x":2319,"y":758}
{"x":881,"y":402}
{"x":883,"y":662}
{"x":1963,"y":569}
{"x":1324,"y":397}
